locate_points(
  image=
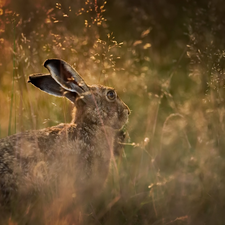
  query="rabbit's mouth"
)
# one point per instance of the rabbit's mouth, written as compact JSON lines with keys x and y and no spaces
{"x":122,"y":119}
{"x":126,"y":113}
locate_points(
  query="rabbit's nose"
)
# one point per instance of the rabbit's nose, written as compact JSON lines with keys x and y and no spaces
{"x":128,"y":111}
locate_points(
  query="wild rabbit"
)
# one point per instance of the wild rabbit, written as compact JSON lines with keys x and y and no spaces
{"x":77,"y":153}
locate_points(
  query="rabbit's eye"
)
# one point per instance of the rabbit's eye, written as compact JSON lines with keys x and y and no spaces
{"x":111,"y":95}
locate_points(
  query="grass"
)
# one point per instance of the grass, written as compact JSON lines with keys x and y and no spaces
{"x":172,"y":168}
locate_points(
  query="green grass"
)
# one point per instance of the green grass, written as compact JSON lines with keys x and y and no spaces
{"x":172,"y":170}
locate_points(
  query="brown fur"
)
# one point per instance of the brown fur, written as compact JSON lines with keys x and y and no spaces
{"x":76,"y":155}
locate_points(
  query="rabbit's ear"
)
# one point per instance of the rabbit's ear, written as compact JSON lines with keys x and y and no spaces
{"x":46,"y":83}
{"x":66,"y":76}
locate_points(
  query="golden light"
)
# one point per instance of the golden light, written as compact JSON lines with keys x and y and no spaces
{"x":4,"y":3}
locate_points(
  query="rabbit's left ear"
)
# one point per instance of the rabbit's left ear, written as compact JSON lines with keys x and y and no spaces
{"x":66,"y":76}
{"x":46,"y":83}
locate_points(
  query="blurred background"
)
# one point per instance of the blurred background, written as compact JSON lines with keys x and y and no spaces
{"x":166,"y":60}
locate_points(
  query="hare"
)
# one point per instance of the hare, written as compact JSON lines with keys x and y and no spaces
{"x":80,"y":151}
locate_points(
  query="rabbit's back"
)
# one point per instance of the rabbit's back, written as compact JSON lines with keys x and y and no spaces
{"x":34,"y":158}
{"x":21,"y":155}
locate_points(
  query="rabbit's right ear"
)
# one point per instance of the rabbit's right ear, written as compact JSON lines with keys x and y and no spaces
{"x":66,"y":76}
{"x":46,"y":83}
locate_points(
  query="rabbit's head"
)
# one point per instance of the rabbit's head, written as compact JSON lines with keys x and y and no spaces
{"x":94,"y":104}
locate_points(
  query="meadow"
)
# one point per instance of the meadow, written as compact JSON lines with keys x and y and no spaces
{"x":166,"y":61}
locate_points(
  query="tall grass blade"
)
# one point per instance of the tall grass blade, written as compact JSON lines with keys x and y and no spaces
{"x":12,"y":91}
